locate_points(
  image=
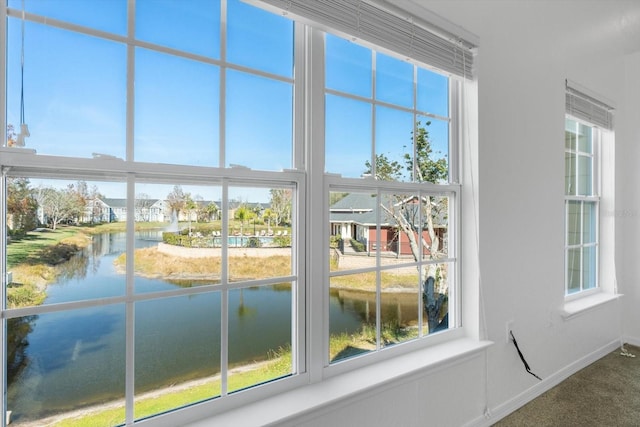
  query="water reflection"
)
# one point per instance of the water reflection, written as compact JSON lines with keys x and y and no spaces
{"x":63,"y":361}
{"x":398,"y":308}
{"x":18,"y":330}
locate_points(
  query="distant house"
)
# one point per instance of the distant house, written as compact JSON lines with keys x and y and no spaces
{"x":355,"y":217}
{"x":97,"y":211}
{"x":146,"y":210}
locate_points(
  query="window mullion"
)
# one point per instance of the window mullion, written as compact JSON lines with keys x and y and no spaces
{"x":130,"y":349}
{"x":222,"y":122}
{"x":224,"y":293}
{"x":3,"y":281}
{"x":317,"y":350}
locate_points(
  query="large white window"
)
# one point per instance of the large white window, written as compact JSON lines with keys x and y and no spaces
{"x":587,"y":121}
{"x":581,"y":206}
{"x":171,"y":173}
{"x":393,"y":263}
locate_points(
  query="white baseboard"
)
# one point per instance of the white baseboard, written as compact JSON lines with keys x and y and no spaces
{"x":494,"y":415}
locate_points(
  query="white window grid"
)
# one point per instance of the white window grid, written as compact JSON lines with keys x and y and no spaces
{"x":452,"y":189}
{"x":306,"y":324}
{"x":16,"y":162}
{"x":592,"y":199}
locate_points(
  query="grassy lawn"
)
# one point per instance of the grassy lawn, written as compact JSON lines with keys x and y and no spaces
{"x":278,"y":366}
{"x":32,"y":261}
{"x":367,"y":281}
{"x":28,"y":250}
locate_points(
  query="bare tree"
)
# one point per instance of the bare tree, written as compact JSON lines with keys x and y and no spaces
{"x":422,"y":167}
{"x":143,"y":207}
{"x":281,"y":205}
{"x":176,"y":200}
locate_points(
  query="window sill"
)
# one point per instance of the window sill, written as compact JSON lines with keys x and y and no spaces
{"x":579,"y":306}
{"x":352,"y":385}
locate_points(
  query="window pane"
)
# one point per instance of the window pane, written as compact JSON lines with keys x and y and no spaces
{"x":353,"y":218}
{"x":347,"y":136}
{"x":589,"y":267}
{"x":348,"y":66}
{"x":394,"y":145}
{"x":574,"y":268}
{"x":352,"y":315}
{"x":192,"y":26}
{"x":260,"y":320}
{"x":432,"y":150}
{"x":260,"y":234}
{"x":433,"y":93}
{"x":589,"y":222}
{"x":574,"y":225}
{"x":177,"y":352}
{"x":436,"y":280}
{"x":259,"y":39}
{"x":585,"y":143}
{"x":394,"y":81}
{"x":105,"y":15}
{"x":178,"y":237}
{"x":259,"y":122}
{"x":570,"y":138}
{"x":178,"y":124}
{"x":399,"y":305}
{"x":585,"y":177}
{"x":569,"y":174}
{"x":59,"y":363}
{"x":433,"y":226}
{"x":75,"y":108}
{"x":52,"y":255}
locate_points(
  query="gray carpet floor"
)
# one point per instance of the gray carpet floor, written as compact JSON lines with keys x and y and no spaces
{"x":605,"y":393}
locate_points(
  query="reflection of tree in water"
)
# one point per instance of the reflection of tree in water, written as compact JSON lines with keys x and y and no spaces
{"x":95,"y":252}
{"x":75,"y":267}
{"x":17,"y":331}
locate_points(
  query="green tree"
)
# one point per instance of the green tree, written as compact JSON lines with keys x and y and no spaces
{"x":268,"y":216}
{"x":21,"y":206}
{"x":59,"y":205}
{"x":386,"y":170}
{"x":425,"y":168}
{"x":190,"y":206}
{"x":209,"y":212}
{"x":243,"y":213}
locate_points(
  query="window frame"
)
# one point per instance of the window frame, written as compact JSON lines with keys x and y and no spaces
{"x":26,"y":162}
{"x":594,"y":198}
{"x":311,"y":320}
{"x":335,"y":182}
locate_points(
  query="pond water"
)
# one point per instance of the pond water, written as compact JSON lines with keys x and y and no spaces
{"x":62,"y":361}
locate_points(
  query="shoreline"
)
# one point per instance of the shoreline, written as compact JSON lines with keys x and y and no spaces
{"x":52,"y":420}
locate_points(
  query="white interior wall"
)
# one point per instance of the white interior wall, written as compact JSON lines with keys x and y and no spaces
{"x":627,"y":211}
{"x":527,"y":50}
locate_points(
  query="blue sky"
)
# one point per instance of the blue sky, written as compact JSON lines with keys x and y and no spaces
{"x":75,"y":88}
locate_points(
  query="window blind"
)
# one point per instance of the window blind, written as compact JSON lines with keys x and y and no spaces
{"x":586,"y":107}
{"x":380,"y":25}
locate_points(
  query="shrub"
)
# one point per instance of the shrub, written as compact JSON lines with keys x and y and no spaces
{"x":334,"y":241}
{"x":58,"y":253}
{"x":253,"y":242}
{"x":282,"y":241}
{"x":172,"y":238}
{"x":358,"y":246}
